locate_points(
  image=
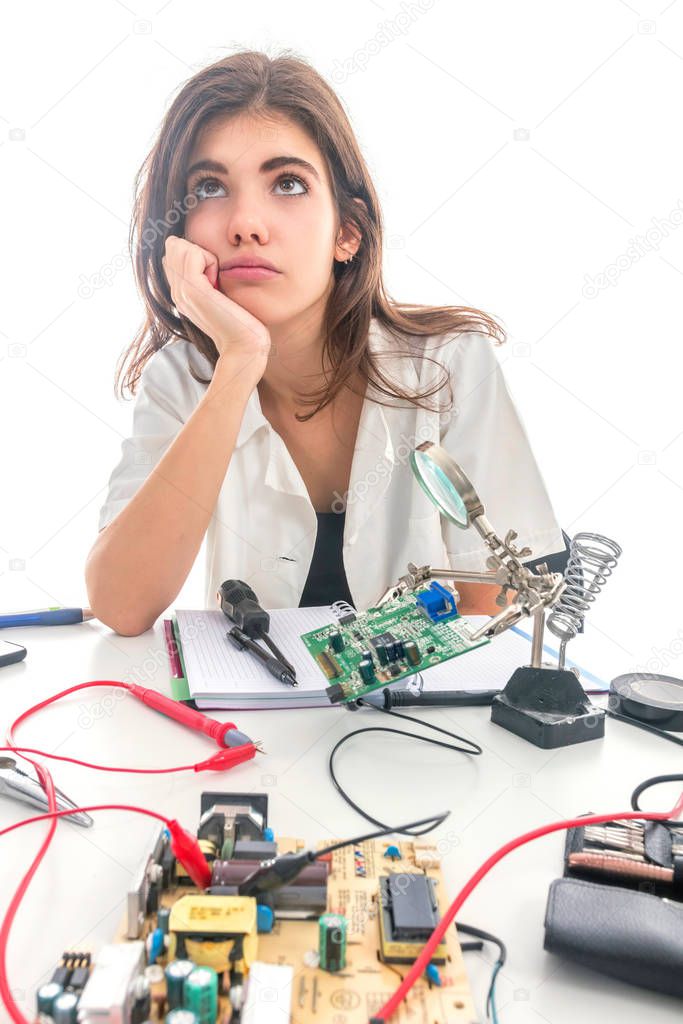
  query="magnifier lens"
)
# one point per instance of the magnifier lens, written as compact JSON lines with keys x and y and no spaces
{"x":439,"y":488}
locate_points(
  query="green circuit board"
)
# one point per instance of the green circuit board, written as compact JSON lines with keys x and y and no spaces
{"x":382,"y":645}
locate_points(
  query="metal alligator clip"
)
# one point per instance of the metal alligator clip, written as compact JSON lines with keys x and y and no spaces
{"x":23,"y":785}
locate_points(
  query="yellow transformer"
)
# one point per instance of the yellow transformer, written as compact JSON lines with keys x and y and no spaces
{"x":206,"y":929}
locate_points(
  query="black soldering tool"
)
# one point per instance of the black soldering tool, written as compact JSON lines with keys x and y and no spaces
{"x":275,"y":667}
{"x":240,"y":604}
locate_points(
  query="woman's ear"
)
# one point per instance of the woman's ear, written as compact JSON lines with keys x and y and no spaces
{"x":349,"y":239}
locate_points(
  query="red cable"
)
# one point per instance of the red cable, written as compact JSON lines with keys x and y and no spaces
{"x":88,"y":764}
{"x":425,"y":956}
{"x":184,"y":844}
{"x":14,"y":1012}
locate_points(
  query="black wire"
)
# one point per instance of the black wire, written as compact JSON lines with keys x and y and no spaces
{"x":644,"y":725}
{"x":436,"y":818}
{"x":478,"y":933}
{"x":654,"y":781}
{"x":408,"y":830}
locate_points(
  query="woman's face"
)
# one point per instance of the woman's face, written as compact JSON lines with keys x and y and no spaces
{"x":284,"y":214}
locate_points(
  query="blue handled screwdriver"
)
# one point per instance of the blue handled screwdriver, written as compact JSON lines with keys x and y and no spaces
{"x":47,"y":617}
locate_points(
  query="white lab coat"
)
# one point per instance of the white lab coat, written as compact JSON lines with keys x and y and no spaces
{"x":263,"y":528}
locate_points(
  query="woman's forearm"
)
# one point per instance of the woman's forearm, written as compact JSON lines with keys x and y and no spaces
{"x":479,"y":598}
{"x":140,"y":561}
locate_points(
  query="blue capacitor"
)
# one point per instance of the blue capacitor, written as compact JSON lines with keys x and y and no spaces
{"x":264,"y":918}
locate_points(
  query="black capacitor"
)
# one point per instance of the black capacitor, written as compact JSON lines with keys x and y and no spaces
{"x":337,"y":642}
{"x":399,"y":648}
{"x":381,"y":653}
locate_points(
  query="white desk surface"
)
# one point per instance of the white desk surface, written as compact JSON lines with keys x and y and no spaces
{"x":77,"y":897}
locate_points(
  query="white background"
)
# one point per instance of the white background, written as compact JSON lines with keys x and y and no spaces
{"x":517,"y":150}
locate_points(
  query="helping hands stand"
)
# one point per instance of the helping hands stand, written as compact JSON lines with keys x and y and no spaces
{"x":541,"y":703}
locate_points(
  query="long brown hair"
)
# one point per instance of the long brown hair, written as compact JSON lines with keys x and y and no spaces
{"x":252,"y":82}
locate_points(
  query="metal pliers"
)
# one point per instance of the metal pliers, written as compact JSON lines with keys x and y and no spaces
{"x":24,"y":785}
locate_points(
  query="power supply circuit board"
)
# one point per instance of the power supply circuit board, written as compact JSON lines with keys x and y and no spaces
{"x":328,"y":944}
{"x":366,"y":650}
{"x":390,"y":895}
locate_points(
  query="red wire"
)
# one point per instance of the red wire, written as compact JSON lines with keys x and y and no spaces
{"x":53,"y":814}
{"x":58,"y":696}
{"x":75,"y":810}
{"x":14,"y":1011}
{"x":425,"y":956}
{"x":98,"y":767}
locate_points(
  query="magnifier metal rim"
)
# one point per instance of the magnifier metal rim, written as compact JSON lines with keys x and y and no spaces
{"x":464,"y":487}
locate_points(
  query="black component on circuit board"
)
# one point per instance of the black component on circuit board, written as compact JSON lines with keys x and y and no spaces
{"x":409,"y":915}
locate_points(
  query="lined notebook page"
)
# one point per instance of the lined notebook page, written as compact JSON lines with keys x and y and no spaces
{"x":215,"y":666}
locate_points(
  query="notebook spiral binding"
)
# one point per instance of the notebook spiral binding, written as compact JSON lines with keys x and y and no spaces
{"x":342,"y":608}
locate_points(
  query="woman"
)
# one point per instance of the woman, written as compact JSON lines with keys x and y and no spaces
{"x":276,"y":408}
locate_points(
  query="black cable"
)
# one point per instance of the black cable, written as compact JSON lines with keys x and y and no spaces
{"x":654,"y":781}
{"x":408,"y":831}
{"x":644,"y":725}
{"x":277,"y":871}
{"x":436,"y":818}
{"x":478,"y":933}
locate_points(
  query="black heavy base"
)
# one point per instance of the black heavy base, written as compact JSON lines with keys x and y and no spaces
{"x":547,"y":707}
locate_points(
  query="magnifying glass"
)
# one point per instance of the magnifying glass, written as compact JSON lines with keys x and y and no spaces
{"x":446,"y":485}
{"x":546,"y":706}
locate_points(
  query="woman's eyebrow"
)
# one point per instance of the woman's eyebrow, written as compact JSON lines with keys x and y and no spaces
{"x":268,"y":165}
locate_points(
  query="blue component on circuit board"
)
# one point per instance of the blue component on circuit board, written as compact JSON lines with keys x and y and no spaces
{"x":437,"y":602}
{"x":264,"y":918}
{"x":155,"y":945}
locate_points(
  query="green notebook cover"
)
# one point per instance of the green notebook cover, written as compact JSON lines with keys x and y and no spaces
{"x":179,"y":686}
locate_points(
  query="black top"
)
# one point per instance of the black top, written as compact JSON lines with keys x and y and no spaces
{"x":326,"y":580}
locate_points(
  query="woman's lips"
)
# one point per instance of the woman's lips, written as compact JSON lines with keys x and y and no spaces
{"x":250,"y":273}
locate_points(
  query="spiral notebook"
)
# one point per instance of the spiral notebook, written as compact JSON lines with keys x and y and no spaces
{"x":219,"y":676}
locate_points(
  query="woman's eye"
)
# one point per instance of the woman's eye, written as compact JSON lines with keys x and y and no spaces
{"x":202,"y":184}
{"x":297,"y":181}
{"x":208,"y":185}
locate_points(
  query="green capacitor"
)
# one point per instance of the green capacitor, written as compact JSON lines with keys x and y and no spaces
{"x":332,"y":942}
{"x":163,"y":915}
{"x":337,"y":642}
{"x":176,"y":972}
{"x":65,"y":1008}
{"x":412,"y":652}
{"x":181,"y":1016}
{"x":200,"y":994}
{"x":367,"y":671}
{"x":46,"y":996}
